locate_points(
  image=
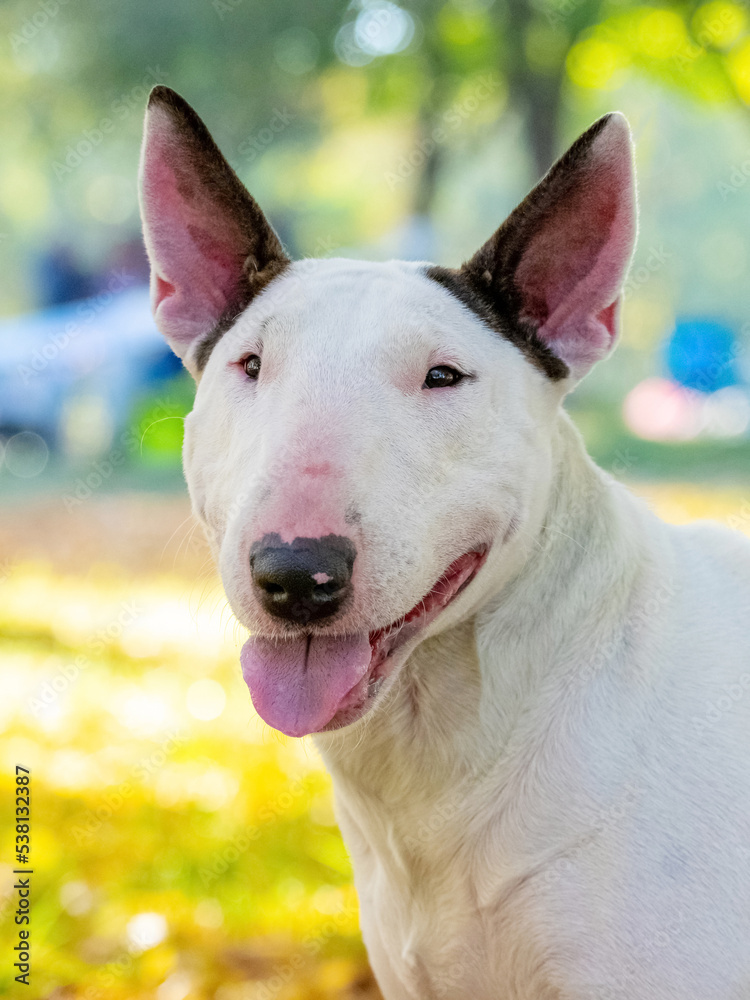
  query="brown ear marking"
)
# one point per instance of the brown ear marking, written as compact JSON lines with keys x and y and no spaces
{"x":487,"y":284}
{"x":477,"y":296}
{"x":205,"y":173}
{"x":256,"y":282}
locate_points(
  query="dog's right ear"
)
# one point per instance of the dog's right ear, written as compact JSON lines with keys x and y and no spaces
{"x":210,"y":246}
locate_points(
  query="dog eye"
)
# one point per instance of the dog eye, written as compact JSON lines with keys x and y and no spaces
{"x":252,"y":366}
{"x":442,"y":375}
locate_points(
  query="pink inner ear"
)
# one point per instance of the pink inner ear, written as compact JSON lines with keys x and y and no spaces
{"x":197,"y":252}
{"x":608,"y":318}
{"x":162,"y":291}
{"x":571,"y":272}
{"x":566,"y":250}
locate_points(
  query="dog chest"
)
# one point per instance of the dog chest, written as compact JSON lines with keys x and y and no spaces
{"x":428,"y":932}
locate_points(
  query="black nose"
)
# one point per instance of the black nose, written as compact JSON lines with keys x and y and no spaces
{"x":305,"y":580}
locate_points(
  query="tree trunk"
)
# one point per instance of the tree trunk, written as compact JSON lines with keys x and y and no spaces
{"x":535,"y":94}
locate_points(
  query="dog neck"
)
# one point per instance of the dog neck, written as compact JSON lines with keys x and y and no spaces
{"x":454,"y":711}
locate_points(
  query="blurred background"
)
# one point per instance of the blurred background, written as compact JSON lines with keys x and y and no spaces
{"x":181,"y":849}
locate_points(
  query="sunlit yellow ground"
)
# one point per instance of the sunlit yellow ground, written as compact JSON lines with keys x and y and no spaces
{"x":181,"y":850}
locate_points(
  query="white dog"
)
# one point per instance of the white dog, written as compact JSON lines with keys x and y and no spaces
{"x":533,"y":696}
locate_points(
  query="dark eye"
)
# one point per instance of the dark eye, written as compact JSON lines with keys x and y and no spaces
{"x":442,"y":375}
{"x":252,"y":366}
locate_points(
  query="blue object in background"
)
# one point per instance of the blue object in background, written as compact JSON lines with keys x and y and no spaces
{"x":60,"y":279}
{"x":702,"y":354}
{"x":105,"y":346}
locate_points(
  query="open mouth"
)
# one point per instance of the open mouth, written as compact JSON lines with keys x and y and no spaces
{"x":319,"y":683}
{"x":385,"y":642}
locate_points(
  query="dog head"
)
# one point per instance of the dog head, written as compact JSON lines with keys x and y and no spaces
{"x":370,"y":446}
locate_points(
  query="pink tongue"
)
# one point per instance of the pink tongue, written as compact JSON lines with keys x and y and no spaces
{"x":298,"y":685}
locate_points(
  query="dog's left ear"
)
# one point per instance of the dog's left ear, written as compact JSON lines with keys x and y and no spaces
{"x":555,"y":268}
{"x":210,"y":246}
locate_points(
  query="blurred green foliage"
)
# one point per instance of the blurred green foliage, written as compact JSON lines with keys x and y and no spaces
{"x":160,"y":435}
{"x":310,"y":106}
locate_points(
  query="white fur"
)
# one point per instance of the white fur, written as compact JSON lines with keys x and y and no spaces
{"x":551,"y":798}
